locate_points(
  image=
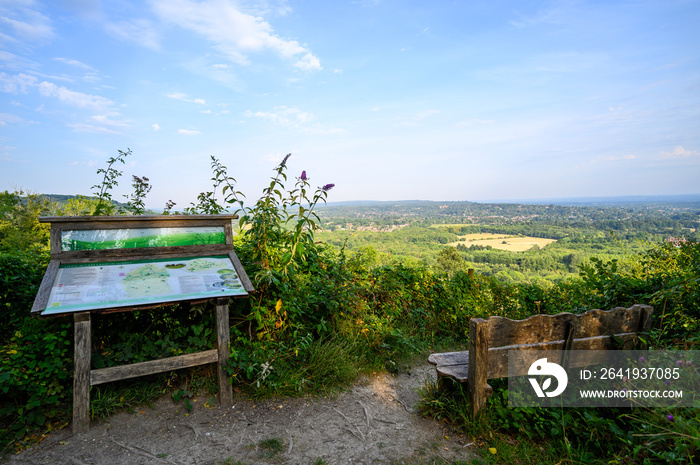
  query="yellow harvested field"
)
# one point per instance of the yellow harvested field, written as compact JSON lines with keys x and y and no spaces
{"x":512,"y":243}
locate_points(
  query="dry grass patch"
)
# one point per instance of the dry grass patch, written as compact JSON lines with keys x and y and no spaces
{"x":503,"y":241}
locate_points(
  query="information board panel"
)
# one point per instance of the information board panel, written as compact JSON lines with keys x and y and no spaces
{"x":93,"y":286}
{"x":132,"y":238}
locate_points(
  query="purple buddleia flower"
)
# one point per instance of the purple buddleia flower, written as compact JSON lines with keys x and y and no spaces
{"x":327,"y":187}
{"x":284,"y":161}
{"x":303,"y":175}
{"x":669,"y":417}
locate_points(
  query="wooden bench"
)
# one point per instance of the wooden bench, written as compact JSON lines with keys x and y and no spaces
{"x":491,"y":339}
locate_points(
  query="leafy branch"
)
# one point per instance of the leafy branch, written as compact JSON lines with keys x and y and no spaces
{"x":109,"y":180}
{"x":135,"y":202}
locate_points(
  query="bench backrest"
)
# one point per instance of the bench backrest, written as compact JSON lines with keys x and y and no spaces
{"x":491,"y":339}
{"x":593,"y":330}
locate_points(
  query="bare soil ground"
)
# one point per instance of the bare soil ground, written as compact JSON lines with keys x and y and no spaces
{"x":374,"y":421}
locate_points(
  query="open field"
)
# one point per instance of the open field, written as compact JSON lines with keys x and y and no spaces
{"x":502,"y":241}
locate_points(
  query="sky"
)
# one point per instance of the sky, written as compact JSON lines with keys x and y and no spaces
{"x":387,"y":99}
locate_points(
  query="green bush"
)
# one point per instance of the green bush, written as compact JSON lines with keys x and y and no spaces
{"x":35,"y":378}
{"x":20,"y":276}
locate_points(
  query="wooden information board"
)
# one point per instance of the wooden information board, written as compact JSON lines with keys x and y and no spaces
{"x":103,"y":264}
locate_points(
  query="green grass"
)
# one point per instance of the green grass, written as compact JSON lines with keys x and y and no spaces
{"x":504,"y":435}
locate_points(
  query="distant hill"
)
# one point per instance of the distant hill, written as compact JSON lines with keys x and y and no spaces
{"x":564,"y":201}
{"x":63,"y":198}
{"x":609,"y":201}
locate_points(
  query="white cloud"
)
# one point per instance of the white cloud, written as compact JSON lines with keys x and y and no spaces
{"x":100,"y":124}
{"x":91,"y":128}
{"x":22,"y":23}
{"x":233,"y":32}
{"x":308,"y":63}
{"x":20,"y":83}
{"x":284,"y":116}
{"x":71,"y":97}
{"x":680,"y":153}
{"x":137,"y":31}
{"x":16,"y":83}
{"x":156,"y":127}
{"x":185,"y":98}
{"x":188,"y":132}
{"x":557,"y":13}
{"x":294,"y":118}
{"x":12,"y":61}
{"x":108,"y":121}
{"x":266,"y":7}
{"x":7,"y":118}
{"x":75,"y":63}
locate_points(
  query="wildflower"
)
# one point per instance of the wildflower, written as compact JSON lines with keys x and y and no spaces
{"x":641,"y":359}
{"x":669,"y":417}
{"x":303,"y":175}
{"x":679,"y":362}
{"x":667,"y":383}
{"x":327,"y":187}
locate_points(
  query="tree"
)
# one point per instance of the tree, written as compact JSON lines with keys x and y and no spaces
{"x":20,"y":229}
{"x":450,"y":260}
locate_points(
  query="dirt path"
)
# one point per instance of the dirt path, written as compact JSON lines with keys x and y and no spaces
{"x":372,"y":422}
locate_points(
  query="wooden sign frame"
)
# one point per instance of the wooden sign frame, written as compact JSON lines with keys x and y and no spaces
{"x":171,"y":241}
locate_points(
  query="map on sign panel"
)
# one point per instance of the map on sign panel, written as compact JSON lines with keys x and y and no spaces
{"x":92,"y":286}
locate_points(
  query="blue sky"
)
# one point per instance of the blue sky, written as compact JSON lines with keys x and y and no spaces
{"x":388,"y":99}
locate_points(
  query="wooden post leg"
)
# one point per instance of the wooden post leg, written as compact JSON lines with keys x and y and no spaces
{"x":223,"y":339}
{"x":478,"y":364}
{"x":81,"y":376}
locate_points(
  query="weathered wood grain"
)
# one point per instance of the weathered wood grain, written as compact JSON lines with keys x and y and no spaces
{"x":242,"y":275}
{"x":106,"y":375}
{"x":553,"y":327}
{"x":81,"y":376}
{"x":42,"y":297}
{"x":223,"y":339}
{"x":478,"y":363}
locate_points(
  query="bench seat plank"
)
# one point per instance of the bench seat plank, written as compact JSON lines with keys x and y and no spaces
{"x":449,"y":358}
